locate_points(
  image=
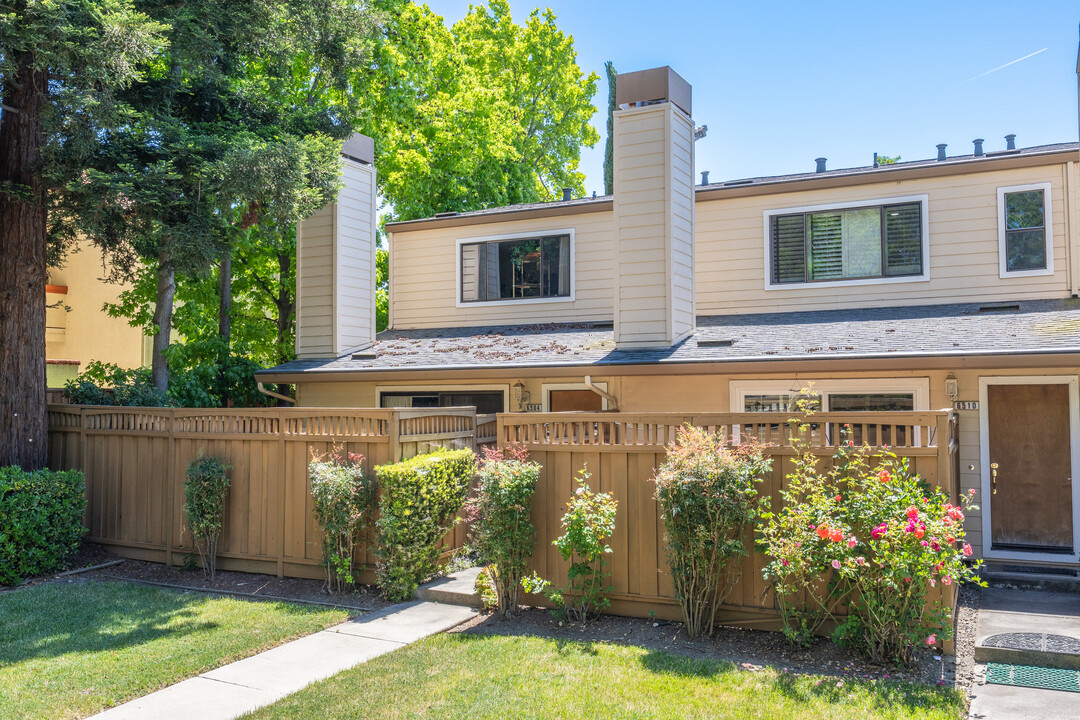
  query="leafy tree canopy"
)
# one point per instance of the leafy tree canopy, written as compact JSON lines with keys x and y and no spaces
{"x":484,"y":113}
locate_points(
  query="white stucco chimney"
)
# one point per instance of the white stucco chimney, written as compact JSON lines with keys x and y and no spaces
{"x":654,"y":209}
{"x":335,"y":263}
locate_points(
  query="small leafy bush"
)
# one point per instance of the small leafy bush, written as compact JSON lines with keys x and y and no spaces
{"x":707,"y":497}
{"x":108,"y":384}
{"x":41,"y":514}
{"x":343,"y":496}
{"x":205,"y":488}
{"x":500,"y":518}
{"x":419,"y":498}
{"x":870,"y":533}
{"x":587,"y":526}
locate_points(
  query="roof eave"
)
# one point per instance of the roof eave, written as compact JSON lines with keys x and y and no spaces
{"x":270,"y":375}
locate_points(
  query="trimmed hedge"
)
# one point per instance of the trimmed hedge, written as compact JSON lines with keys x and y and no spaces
{"x":41,"y":521}
{"x":418,"y":500}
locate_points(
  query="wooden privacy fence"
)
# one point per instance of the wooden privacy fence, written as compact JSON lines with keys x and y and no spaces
{"x":622,"y":450}
{"x":135,"y":460}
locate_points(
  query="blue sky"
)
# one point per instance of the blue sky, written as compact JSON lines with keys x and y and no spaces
{"x":781,"y":83}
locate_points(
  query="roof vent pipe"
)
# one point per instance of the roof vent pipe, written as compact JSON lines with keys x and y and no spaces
{"x":978,"y":147}
{"x":941,"y":151}
{"x":820,"y":164}
{"x":704,"y":177}
{"x":1010,"y":141}
{"x":876,"y":163}
{"x":566,"y":193}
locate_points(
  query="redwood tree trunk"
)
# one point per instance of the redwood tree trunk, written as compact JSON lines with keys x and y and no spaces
{"x":225,"y":300}
{"x":23,"y":238}
{"x":163,"y":312}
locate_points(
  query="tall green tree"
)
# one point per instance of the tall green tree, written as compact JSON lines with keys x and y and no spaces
{"x":60,"y":64}
{"x":234,"y":126}
{"x":486,"y":112}
{"x":609,"y":150}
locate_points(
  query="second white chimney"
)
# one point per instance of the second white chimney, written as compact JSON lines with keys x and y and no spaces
{"x":654,"y":209}
{"x":335,"y":263}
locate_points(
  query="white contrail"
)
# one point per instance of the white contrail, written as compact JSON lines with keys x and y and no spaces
{"x":999,"y":67}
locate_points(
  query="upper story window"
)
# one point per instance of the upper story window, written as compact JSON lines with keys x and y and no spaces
{"x":875,"y":241}
{"x":534,"y":267}
{"x":1025,"y":239}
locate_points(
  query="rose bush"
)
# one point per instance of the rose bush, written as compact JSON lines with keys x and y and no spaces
{"x":869,"y":533}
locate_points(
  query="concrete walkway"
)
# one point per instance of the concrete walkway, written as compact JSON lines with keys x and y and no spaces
{"x":232,"y":690}
{"x":1020,"y":627}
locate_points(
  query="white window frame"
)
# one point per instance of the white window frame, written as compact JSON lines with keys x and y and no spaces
{"x":546,"y":388}
{"x":429,"y":389}
{"x":512,"y":236}
{"x":924,"y":277}
{"x":1048,"y":226}
{"x":919,"y":387}
{"x":985,"y":500}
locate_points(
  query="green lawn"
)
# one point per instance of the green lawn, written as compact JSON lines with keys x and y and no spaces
{"x":474,"y":676}
{"x":68,"y":650}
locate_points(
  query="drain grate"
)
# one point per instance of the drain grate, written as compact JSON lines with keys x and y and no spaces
{"x":1033,"y":677}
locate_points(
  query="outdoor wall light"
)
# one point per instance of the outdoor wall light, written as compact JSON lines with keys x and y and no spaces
{"x":952,"y":387}
{"x":521,"y":396}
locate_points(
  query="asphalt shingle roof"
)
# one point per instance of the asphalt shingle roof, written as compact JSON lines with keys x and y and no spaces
{"x":954,"y":160}
{"x":1035,"y":326}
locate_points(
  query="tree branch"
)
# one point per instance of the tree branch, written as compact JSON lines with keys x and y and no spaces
{"x":8,"y":108}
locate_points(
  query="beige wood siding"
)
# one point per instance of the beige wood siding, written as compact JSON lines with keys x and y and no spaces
{"x":355,"y":251}
{"x":654,"y":216}
{"x":315,"y":285}
{"x":732,"y":259}
{"x":423,"y":285}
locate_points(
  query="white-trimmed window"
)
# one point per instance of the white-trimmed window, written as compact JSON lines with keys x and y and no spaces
{"x":1025,"y":231}
{"x":871,"y":241}
{"x":862,"y":395}
{"x":529,"y":267}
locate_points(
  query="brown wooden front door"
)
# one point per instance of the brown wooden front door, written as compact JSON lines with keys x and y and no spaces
{"x":1028,"y":440}
{"x":575,"y":400}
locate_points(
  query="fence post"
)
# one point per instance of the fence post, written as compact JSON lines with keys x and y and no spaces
{"x":943,"y":436}
{"x":82,"y":464}
{"x":282,"y":473}
{"x":170,"y":492}
{"x":393,"y":431}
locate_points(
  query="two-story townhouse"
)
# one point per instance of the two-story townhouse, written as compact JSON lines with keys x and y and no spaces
{"x":910,"y":286}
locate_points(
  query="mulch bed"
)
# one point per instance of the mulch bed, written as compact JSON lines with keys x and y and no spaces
{"x":750,"y":649}
{"x":361,"y":597}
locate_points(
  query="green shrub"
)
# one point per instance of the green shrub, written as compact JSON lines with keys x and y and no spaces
{"x":107,"y":384}
{"x":41,"y":516}
{"x":588,"y":524}
{"x":343,"y":496}
{"x":418,"y":501}
{"x":870,"y":533}
{"x":205,"y":488}
{"x":707,"y":497}
{"x":499,"y":516}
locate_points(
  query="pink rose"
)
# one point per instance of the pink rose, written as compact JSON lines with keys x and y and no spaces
{"x":785,"y":563}
{"x":931,"y":639}
{"x":967,"y":550}
{"x":836,"y":564}
{"x":852,"y":542}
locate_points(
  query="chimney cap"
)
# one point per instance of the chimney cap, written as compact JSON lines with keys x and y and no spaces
{"x":820,"y":162}
{"x":645,"y":87}
{"x":567,"y":194}
{"x":360,"y":148}
{"x":941,"y":151}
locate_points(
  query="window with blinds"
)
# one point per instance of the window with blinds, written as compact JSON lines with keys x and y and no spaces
{"x":516,"y":269}
{"x":878,"y":241}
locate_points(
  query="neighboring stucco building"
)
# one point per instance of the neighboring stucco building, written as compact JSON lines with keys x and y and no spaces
{"x":912,"y":286}
{"x":77,"y":329}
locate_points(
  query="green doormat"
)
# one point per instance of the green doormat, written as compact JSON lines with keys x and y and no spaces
{"x":1034,"y":677}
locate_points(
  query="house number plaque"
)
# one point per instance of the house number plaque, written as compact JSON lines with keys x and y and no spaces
{"x":966,"y":405}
